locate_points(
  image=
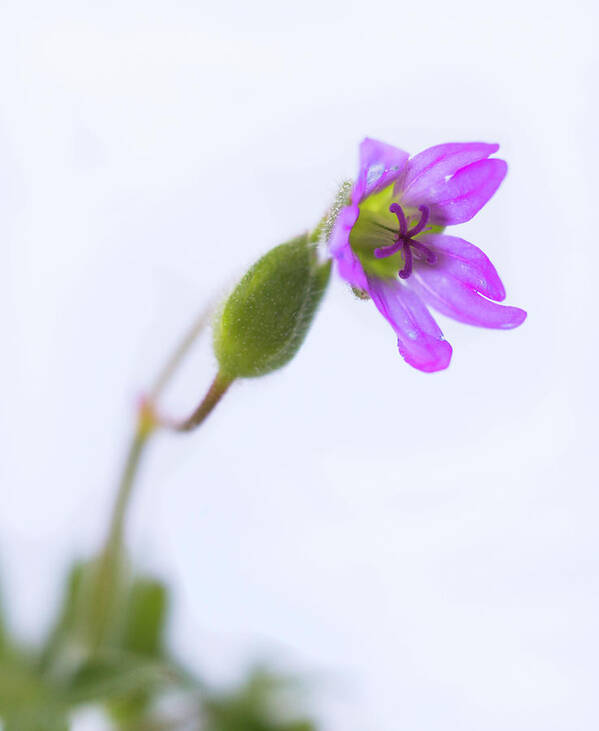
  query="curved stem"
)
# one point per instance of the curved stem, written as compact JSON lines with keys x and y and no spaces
{"x":179,"y":354}
{"x":217,"y":390}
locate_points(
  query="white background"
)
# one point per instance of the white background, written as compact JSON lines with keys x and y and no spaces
{"x":421,"y":548}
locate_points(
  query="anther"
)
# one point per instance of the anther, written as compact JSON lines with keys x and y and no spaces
{"x":403,"y":224}
{"x":407,"y":269}
{"x":429,"y":256}
{"x":405,"y":241}
{"x":385,"y":251}
{"x":424,"y":210}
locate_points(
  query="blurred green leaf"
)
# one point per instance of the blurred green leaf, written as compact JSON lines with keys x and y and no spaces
{"x":127,"y":670}
{"x":67,"y":616}
{"x":104,"y":591}
{"x":3,"y":639}
{"x":27,"y":702}
{"x":121,"y":666}
{"x":145,"y":617}
{"x":115,"y":674}
{"x":142,"y":635}
{"x":40,"y":718}
{"x":91,"y":614}
{"x":255,"y":706}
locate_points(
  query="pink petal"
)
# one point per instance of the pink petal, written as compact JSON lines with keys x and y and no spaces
{"x":339,"y":237}
{"x":348,"y":264}
{"x":465,"y":262}
{"x":419,"y":339}
{"x":380,"y":165}
{"x":462,"y":197}
{"x":431,"y":167}
{"x":452,"y":297}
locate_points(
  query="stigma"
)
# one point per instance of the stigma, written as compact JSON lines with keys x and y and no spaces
{"x":406,"y":243}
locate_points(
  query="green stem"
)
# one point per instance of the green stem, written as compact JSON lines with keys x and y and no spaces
{"x":136,"y":448}
{"x":217,"y":390}
{"x":146,"y":425}
{"x":173,"y":363}
{"x":109,"y":565}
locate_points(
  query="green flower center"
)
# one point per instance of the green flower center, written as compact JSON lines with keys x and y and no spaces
{"x":383,"y":237}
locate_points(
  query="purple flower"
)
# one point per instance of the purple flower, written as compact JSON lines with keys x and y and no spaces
{"x":389,"y":243}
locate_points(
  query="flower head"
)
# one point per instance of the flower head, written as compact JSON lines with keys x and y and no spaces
{"x":388,"y":243}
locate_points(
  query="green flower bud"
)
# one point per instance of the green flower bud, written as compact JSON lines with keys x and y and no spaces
{"x":266,"y":318}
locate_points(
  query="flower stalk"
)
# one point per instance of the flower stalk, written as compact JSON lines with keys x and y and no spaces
{"x":110,"y":562}
{"x":258,"y":330}
{"x":217,"y":390}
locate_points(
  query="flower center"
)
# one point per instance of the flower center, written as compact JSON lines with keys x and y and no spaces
{"x":405,"y":242}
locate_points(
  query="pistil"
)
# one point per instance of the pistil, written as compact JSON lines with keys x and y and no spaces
{"x":405,"y":241}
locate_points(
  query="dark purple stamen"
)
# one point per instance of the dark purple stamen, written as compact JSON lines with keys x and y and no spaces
{"x":422,"y":223}
{"x":401,"y":217}
{"x":419,"y":249}
{"x":405,"y":240}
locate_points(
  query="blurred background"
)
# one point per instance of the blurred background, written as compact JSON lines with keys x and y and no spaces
{"x":421,"y":549}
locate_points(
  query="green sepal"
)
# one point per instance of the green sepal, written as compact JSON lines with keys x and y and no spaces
{"x":266,"y":318}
